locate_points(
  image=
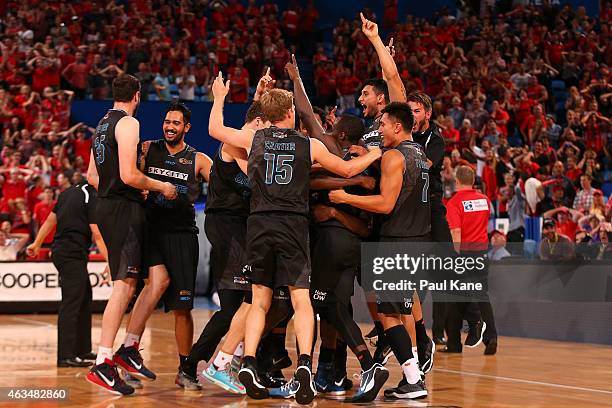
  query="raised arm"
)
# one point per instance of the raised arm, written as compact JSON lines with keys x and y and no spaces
{"x":126,"y":134}
{"x":335,"y":164}
{"x":397,"y":91}
{"x":305,"y":111}
{"x":235,"y":137}
{"x":392,"y":171}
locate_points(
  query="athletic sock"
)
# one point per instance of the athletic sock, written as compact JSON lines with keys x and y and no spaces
{"x":131,"y":340}
{"x":182,"y":360}
{"x":400,"y":343}
{"x":340,"y":360}
{"x":239,"y":352}
{"x":326,"y":355}
{"x":365,"y":359}
{"x":222,"y":360}
{"x":421,"y":333}
{"x":103,"y":354}
{"x":411,"y":371}
{"x":415,"y":351}
{"x":379,"y":328}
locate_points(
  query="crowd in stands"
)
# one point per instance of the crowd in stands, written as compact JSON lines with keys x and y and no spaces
{"x":521,"y":94}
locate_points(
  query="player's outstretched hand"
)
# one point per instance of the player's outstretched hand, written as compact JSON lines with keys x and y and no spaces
{"x":169,"y":191}
{"x":292,"y":69}
{"x":220,"y":89}
{"x":391,"y":48}
{"x":367,"y":182}
{"x":32,"y":250}
{"x":337,"y":196}
{"x":265,"y":83}
{"x":369,"y":28}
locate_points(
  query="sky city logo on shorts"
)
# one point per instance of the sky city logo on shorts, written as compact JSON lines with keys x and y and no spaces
{"x":475,"y":205}
{"x":168,"y":173}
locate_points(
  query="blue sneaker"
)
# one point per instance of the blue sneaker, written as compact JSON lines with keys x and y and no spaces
{"x":224,"y":379}
{"x":286,"y":391}
{"x":324,"y":382}
{"x":371,"y":383}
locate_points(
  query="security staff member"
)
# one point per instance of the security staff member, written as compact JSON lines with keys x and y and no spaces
{"x":74,"y":216}
{"x":468,"y":219}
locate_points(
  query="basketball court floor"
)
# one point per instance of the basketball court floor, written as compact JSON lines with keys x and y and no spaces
{"x":524,"y":373}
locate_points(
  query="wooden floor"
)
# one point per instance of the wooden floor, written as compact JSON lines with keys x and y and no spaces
{"x":525,"y":372}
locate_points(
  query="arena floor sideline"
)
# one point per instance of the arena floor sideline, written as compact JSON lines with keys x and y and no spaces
{"x":525,"y":372}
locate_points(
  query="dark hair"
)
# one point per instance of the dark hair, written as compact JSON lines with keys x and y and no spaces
{"x":402,"y":113}
{"x":125,"y":87}
{"x":422,"y":98}
{"x":254,"y":112}
{"x":177,"y":106}
{"x":320,"y":112}
{"x":352,"y":127}
{"x":380,"y":87}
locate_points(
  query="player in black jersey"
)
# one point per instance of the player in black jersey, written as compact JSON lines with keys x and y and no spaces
{"x":337,"y":230}
{"x":227,"y":210}
{"x":113,"y":171}
{"x":277,"y":232}
{"x":428,"y":136}
{"x":404,"y":203}
{"x":172,"y":250}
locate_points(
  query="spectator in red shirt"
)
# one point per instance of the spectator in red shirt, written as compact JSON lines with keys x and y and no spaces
{"x":348,"y":84}
{"x":77,"y":75}
{"x":239,"y":92}
{"x":42,"y":210}
{"x":14,"y":187}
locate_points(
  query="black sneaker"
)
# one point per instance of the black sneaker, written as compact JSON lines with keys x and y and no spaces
{"x":249,"y":378}
{"x":474,"y":337}
{"x":426,"y":355}
{"x":272,"y":379}
{"x":408,"y":391}
{"x":132,"y":381}
{"x":105,"y":375}
{"x":91,"y":356}
{"x":73,"y":362}
{"x":449,"y":350}
{"x":345,"y":383}
{"x":129,"y":359}
{"x":278,"y":363}
{"x":372,"y":336}
{"x":306,"y":390}
{"x":439,"y":341}
{"x":491,"y":347}
{"x":371,"y":383}
{"x":383,"y":352}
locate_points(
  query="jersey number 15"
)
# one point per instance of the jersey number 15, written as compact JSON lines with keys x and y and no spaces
{"x":279,"y":168}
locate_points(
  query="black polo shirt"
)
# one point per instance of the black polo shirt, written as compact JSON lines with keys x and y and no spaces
{"x":75,"y":211}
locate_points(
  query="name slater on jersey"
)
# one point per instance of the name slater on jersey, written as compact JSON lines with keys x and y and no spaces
{"x":168,"y":173}
{"x":269,"y":145}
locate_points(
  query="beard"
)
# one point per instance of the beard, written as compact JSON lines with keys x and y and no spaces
{"x":176,"y":141}
{"x":136,"y":109}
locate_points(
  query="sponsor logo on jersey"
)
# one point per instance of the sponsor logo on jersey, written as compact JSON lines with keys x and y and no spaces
{"x":185,"y":293}
{"x":475,"y":205}
{"x":185,"y":161}
{"x":168,"y":173}
{"x":319,"y":295}
{"x":170,"y":163}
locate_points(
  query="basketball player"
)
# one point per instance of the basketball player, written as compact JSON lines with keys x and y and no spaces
{"x":172,"y":249}
{"x":227,"y":210}
{"x":403,"y":200}
{"x":277,"y":232}
{"x":338,"y":230}
{"x":113,"y":171}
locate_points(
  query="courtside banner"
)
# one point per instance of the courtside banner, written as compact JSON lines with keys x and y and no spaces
{"x":39,"y":282}
{"x":393,"y":271}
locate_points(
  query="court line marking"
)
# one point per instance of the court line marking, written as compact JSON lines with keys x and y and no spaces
{"x":494,"y":377}
{"x":520,"y":380}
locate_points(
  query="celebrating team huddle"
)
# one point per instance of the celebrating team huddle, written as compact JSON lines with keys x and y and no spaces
{"x":286,"y":214}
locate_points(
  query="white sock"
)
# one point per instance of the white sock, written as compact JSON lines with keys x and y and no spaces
{"x":103,"y":354}
{"x":411,"y":371}
{"x":415,"y":352}
{"x":131,"y":339}
{"x":222,"y":360}
{"x":239,"y":352}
